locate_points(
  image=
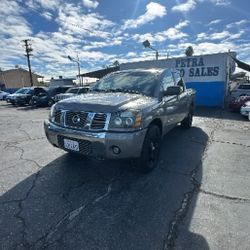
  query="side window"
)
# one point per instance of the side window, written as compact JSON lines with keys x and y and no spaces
{"x":83,"y":91}
{"x":244,"y":86}
{"x":167,"y":80}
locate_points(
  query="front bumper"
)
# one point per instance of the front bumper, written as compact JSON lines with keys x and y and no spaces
{"x":244,"y":111}
{"x":99,"y":144}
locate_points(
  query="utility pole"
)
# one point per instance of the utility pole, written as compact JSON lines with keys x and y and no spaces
{"x":28,"y":51}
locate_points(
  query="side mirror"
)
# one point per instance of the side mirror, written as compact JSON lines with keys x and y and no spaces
{"x":173,"y":90}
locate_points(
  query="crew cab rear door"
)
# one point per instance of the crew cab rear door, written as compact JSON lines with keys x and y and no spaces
{"x":183,"y":98}
{"x":169,"y":104}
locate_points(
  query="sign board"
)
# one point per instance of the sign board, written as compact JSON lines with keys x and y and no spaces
{"x":203,"y":68}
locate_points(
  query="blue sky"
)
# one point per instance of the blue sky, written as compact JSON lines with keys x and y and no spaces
{"x":100,"y":32}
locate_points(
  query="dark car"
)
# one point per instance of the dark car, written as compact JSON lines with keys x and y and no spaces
{"x":236,"y":104}
{"x":3,"y":94}
{"x":72,"y":92}
{"x":25,"y":97}
{"x":11,"y":97}
{"x":47,"y":99}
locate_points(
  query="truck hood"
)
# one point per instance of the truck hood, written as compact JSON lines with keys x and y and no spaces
{"x":106,"y":102}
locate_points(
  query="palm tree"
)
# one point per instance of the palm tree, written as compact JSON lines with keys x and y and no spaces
{"x":189,"y":51}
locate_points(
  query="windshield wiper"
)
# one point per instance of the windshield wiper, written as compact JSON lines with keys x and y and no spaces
{"x":125,"y":91}
{"x":119,"y":90}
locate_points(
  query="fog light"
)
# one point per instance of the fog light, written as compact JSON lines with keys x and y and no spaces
{"x":116,"y":150}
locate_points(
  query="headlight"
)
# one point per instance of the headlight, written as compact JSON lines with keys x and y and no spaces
{"x":52,"y":112}
{"x":130,"y":119}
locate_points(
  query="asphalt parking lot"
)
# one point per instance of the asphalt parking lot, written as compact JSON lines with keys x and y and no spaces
{"x":197,"y":198}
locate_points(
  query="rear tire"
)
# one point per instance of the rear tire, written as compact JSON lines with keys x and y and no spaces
{"x":31,"y":103}
{"x":150,"y":150}
{"x":187,"y":122}
{"x":50,"y":103}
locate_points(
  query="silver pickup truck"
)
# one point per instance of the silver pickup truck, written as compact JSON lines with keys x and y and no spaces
{"x":124,"y":115}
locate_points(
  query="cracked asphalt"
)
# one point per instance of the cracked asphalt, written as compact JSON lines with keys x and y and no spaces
{"x":197,"y":198}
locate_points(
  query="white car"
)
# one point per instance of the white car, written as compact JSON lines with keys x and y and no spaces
{"x":3,"y":94}
{"x":241,"y":90}
{"x":245,"y":110}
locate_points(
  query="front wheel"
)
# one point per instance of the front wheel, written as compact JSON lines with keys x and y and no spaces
{"x":187,"y":122}
{"x":150,"y":150}
{"x":31,"y":103}
{"x":50,"y":103}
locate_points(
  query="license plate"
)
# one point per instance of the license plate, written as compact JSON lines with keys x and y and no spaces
{"x":70,"y":144}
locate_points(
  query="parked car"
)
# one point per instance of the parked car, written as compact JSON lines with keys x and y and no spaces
{"x":11,"y":97}
{"x":46,"y":99}
{"x":26,"y":97}
{"x":124,"y":116}
{"x":245,"y":110}
{"x":236,"y":104}
{"x":241,"y":90}
{"x":3,"y":95}
{"x":72,"y":92}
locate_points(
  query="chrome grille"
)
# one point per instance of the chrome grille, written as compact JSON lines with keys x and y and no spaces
{"x":75,"y":119}
{"x":81,"y":120}
{"x":98,"y":121}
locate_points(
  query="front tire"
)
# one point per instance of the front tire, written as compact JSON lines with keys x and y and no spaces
{"x":50,"y":103}
{"x":150,"y":150}
{"x":187,"y":122}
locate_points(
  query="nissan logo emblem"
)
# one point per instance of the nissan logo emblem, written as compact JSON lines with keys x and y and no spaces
{"x":76,"y":119}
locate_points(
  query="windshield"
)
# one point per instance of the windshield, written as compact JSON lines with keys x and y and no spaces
{"x":73,"y":91}
{"x":29,"y":91}
{"x":131,"y":82}
{"x":22,"y":91}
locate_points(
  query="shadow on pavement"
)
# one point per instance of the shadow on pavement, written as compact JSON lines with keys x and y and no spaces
{"x":23,"y":107}
{"x":218,"y":113}
{"x":76,"y":203}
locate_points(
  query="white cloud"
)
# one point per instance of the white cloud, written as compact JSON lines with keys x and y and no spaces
{"x":237,"y":24}
{"x":15,"y":26}
{"x":36,"y":5}
{"x":207,"y":47}
{"x":219,"y":36}
{"x":216,"y":21}
{"x":95,"y":45}
{"x":221,"y":2}
{"x":173,"y":33}
{"x":90,"y":3}
{"x":185,"y":7}
{"x":49,"y":4}
{"x":182,"y":24}
{"x":153,"y":10}
{"x":9,"y":8}
{"x":47,"y":15}
{"x":73,"y":20}
{"x":131,"y":54}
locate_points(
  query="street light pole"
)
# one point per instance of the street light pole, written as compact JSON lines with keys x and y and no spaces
{"x":146,"y":44}
{"x":78,"y":65}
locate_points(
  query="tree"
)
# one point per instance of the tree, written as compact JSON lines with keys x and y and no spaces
{"x":189,"y":51}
